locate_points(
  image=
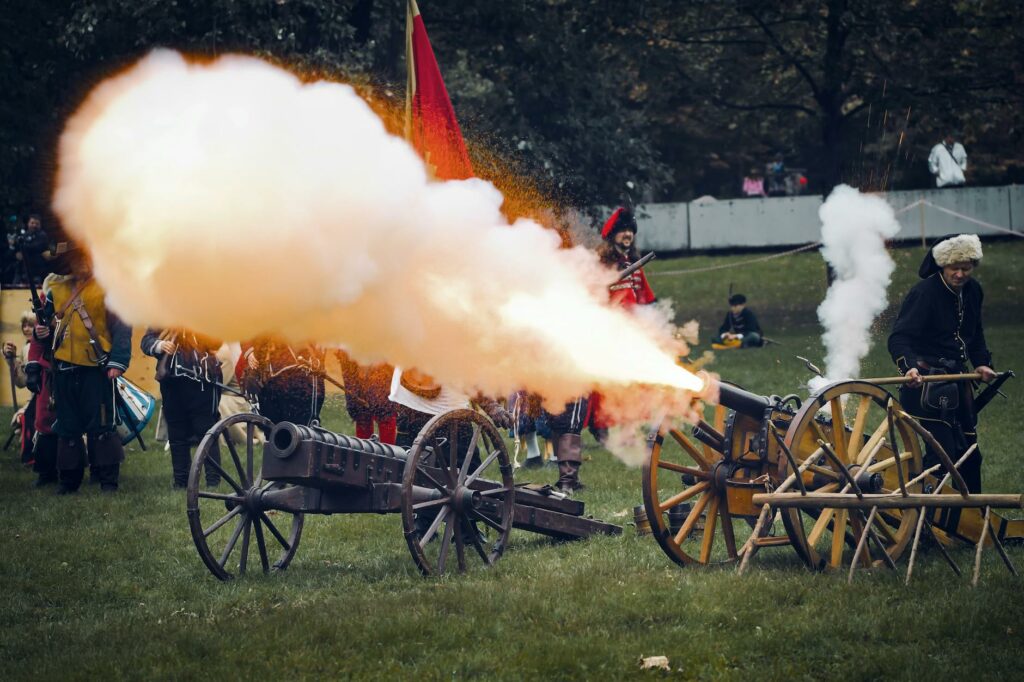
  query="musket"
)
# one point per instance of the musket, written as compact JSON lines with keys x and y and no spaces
{"x":38,"y":307}
{"x":630,"y":269}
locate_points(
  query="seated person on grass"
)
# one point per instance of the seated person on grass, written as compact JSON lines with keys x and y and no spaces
{"x":740,"y":328}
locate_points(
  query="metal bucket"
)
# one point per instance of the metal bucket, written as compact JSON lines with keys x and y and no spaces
{"x":643,"y":525}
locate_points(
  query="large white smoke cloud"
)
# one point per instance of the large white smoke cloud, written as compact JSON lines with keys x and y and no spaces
{"x":854,"y":228}
{"x":233,"y":199}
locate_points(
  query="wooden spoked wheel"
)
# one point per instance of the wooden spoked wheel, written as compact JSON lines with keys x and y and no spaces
{"x":229,"y":523}
{"x":678,"y":472}
{"x":451,"y":516}
{"x":852,"y":419}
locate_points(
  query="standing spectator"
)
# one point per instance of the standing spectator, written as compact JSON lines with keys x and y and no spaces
{"x":17,"y":358}
{"x":91,"y":348}
{"x":31,"y":245}
{"x":777,"y":176}
{"x":39,"y":379}
{"x":753,"y":184}
{"x":948,"y":162}
{"x":366,"y":398}
{"x":288,"y":381}
{"x":188,"y":372}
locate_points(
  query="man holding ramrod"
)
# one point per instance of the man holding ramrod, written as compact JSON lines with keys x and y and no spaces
{"x":939,"y":331}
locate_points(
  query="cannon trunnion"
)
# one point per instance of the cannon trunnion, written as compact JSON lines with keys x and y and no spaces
{"x":453,"y":489}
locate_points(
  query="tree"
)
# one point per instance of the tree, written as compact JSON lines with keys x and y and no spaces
{"x":844,"y":65}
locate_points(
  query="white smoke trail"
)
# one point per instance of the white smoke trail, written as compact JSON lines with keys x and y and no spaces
{"x":853,"y":233}
{"x":232,"y":199}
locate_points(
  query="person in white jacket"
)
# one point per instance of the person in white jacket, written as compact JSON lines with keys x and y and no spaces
{"x":948,"y":162}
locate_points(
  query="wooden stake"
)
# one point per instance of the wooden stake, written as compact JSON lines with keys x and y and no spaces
{"x":981,"y":544}
{"x":860,"y":544}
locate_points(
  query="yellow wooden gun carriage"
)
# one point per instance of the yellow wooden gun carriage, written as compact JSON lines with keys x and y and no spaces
{"x":838,"y":477}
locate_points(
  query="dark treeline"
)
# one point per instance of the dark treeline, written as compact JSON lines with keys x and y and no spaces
{"x":679,"y":99}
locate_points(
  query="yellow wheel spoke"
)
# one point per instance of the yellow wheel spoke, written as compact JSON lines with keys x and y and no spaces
{"x":873,"y":441}
{"x":857,"y":437}
{"x":682,"y":469}
{"x":888,"y":462}
{"x":819,"y":526}
{"x":692,"y":451}
{"x":678,"y":499}
{"x":692,"y":518}
{"x":838,"y":538}
{"x":839,"y":429}
{"x":709,"y":532}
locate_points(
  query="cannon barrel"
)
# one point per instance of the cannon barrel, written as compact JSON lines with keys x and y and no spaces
{"x":286,"y":437}
{"x":744,"y":402}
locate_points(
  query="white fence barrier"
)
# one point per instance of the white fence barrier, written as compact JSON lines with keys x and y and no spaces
{"x":789,"y":221}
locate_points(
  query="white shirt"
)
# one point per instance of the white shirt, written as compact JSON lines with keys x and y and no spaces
{"x":947,"y":165}
{"x":446,"y":401}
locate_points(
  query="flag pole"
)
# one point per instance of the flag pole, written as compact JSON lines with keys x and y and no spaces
{"x":411,"y":11}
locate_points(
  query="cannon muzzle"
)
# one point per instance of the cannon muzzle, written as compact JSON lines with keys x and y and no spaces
{"x":744,"y":402}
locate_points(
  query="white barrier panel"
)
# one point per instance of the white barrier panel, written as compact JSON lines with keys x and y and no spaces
{"x":1016,"y":207}
{"x":662,"y":227}
{"x":963,"y":206}
{"x":781,"y":221}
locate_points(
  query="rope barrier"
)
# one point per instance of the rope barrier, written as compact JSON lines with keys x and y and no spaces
{"x":969,"y":219}
{"x":805,"y":247}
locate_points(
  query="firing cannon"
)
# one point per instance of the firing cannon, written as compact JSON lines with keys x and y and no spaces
{"x":453,"y":488}
{"x":842,"y":471}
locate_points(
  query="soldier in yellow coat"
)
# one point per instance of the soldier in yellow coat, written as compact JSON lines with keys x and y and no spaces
{"x":91,"y":347}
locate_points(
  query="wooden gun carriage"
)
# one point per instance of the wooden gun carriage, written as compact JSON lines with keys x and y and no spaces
{"x":453,"y":488}
{"x":843,"y":470}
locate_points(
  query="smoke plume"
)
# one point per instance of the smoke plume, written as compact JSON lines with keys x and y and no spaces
{"x":233,"y":199}
{"x":854,"y":228}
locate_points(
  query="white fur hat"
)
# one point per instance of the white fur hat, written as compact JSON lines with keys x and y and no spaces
{"x":963,"y":247}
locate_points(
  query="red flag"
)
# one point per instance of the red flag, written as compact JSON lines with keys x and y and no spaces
{"x":431,"y":126}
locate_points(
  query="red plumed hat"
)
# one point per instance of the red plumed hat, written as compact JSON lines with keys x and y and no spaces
{"x":621,"y":219}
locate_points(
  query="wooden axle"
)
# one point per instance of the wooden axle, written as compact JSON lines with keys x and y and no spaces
{"x":887,"y":500}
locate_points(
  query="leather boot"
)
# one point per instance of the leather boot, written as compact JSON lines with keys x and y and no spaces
{"x":46,"y":459}
{"x":70,"y":464}
{"x":108,"y":455}
{"x":569,"y":452}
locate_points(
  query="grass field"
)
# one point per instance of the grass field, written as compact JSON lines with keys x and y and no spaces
{"x":111,"y":586}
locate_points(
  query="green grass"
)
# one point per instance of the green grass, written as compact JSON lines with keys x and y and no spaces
{"x":111,"y":587}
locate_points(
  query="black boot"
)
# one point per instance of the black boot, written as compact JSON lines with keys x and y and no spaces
{"x":46,"y":459}
{"x":70,"y":464}
{"x":108,"y":456}
{"x":569,"y":452}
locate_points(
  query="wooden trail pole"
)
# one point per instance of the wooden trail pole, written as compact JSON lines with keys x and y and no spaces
{"x":888,"y":500}
{"x":932,"y":378}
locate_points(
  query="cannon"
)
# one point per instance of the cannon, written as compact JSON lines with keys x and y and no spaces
{"x":453,"y":488}
{"x":842,"y":471}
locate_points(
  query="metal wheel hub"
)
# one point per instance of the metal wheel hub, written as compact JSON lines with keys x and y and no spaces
{"x":464,"y":499}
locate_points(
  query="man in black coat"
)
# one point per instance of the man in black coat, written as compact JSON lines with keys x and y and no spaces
{"x":189,"y":373}
{"x":939,"y":331}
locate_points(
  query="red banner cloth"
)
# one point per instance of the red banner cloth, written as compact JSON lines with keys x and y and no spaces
{"x":435,"y":132}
